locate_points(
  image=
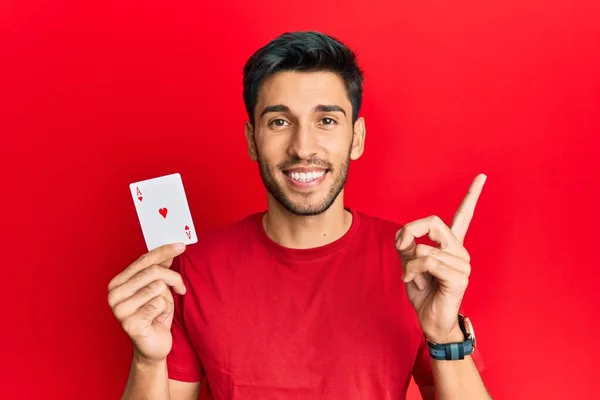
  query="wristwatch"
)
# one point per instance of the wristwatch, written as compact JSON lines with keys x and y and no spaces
{"x":455,"y":351}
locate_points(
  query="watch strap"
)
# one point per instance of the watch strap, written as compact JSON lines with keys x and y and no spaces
{"x":450,"y":351}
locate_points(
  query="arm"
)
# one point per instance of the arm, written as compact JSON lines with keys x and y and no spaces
{"x":458,"y":380}
{"x":436,"y":279}
{"x":443,"y":379}
{"x":141,"y":300}
{"x":150,"y":381}
{"x":455,"y":380}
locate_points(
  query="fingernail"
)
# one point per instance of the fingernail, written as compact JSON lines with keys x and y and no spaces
{"x":184,"y":290}
{"x":179,"y":246}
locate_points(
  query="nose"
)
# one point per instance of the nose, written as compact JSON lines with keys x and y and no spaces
{"x":303,"y":144}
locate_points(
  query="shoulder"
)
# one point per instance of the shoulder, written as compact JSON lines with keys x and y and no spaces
{"x":378,"y":226}
{"x":219,"y":242}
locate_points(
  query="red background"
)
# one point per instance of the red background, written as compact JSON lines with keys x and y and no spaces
{"x":95,"y":95}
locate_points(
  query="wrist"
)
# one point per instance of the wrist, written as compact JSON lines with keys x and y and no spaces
{"x":142,"y":362}
{"x":148,"y":379}
{"x":455,"y":335}
{"x":456,"y":344}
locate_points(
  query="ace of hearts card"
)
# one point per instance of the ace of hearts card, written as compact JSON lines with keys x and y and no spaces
{"x":163,"y":211}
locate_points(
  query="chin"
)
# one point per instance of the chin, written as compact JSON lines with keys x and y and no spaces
{"x":304,"y":192}
{"x":306,"y":209}
{"x":306,"y":204}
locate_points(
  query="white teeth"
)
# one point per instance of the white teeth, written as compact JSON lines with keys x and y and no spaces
{"x":306,"y":177}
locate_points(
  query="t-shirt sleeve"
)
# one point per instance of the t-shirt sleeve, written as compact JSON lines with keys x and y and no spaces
{"x":422,"y":372}
{"x":183,"y":363}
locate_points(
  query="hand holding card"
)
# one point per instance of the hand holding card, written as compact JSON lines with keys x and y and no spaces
{"x":163,"y":211}
{"x":141,"y":300}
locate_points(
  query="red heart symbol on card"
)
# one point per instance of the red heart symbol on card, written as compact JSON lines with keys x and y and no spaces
{"x":187,"y":228}
{"x":140,"y":198}
{"x":163,"y":212}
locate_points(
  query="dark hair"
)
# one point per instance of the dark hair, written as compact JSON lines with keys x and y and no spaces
{"x":303,"y":51}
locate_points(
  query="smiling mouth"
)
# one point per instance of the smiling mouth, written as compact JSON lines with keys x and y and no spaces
{"x":306,"y":176}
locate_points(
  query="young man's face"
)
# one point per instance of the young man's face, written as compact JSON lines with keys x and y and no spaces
{"x":303,"y":139}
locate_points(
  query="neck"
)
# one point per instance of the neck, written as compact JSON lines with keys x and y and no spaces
{"x":300,"y":232}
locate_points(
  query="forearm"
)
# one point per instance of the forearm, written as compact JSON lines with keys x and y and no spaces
{"x":147,"y":381}
{"x":458,"y":379}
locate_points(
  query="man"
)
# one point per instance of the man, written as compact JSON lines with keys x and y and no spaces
{"x":308,"y":300}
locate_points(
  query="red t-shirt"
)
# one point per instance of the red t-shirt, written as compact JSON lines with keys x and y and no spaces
{"x":261,"y":321}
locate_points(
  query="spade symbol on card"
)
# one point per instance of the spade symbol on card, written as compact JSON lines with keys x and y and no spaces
{"x":187,"y":232}
{"x":163,"y":211}
{"x":138,"y":193}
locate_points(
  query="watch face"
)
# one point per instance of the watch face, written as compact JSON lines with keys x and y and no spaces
{"x":469,"y":329}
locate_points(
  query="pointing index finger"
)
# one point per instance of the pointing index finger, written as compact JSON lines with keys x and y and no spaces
{"x":464,"y":214}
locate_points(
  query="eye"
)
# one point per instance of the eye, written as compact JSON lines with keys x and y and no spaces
{"x":278,"y":122}
{"x":328,"y":121}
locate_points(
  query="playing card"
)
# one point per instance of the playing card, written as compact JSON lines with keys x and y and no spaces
{"x":163,"y":211}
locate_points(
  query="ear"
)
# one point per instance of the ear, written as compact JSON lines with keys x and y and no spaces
{"x":358,"y":139}
{"x":250,"y":140}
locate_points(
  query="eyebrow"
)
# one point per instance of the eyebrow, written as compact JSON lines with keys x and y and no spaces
{"x":317,"y":108}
